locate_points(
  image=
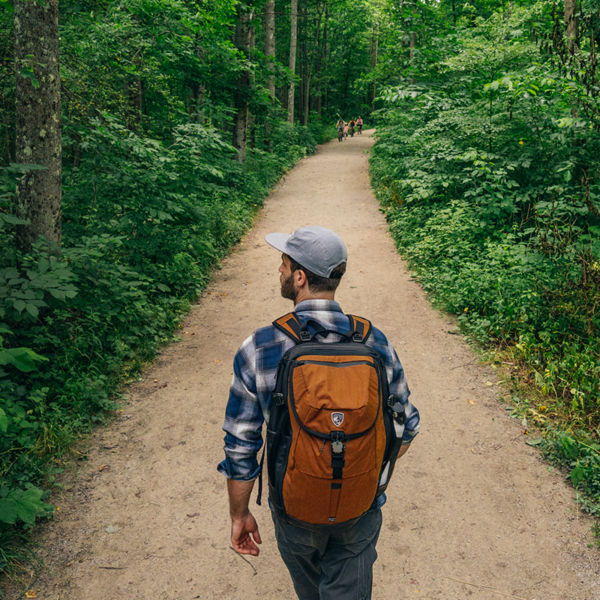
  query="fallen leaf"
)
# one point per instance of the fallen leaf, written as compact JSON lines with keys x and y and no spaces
{"x":30,"y":594}
{"x":102,"y":467}
{"x":471,"y":402}
{"x":217,"y":360}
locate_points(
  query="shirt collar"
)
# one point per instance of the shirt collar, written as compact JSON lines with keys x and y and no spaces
{"x":318,"y":304}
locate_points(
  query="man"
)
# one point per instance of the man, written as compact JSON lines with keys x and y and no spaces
{"x":326,"y":562}
{"x":359,"y":124}
{"x":340,"y":129}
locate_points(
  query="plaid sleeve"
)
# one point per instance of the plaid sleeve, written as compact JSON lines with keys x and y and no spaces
{"x":397,"y":384}
{"x":243,"y":418}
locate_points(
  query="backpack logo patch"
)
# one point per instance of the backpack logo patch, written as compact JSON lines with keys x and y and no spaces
{"x":337,"y":418}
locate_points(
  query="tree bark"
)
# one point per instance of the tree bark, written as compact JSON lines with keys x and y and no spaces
{"x":571,"y":26}
{"x":292,"y":64}
{"x":324,"y":79}
{"x":374,"y":57}
{"x":306,"y":97}
{"x":270,"y":44}
{"x":243,"y":37}
{"x":306,"y":55}
{"x":38,"y":135}
{"x":318,"y":83}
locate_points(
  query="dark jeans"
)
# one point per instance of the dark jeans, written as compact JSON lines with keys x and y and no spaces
{"x":332,"y":562}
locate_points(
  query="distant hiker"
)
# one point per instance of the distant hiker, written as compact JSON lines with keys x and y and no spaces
{"x":325,"y":501}
{"x":345,"y":129}
{"x":351,"y":126}
{"x":359,"y":124}
{"x":340,"y":129}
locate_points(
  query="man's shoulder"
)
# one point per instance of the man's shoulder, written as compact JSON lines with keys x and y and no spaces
{"x":264,"y":337}
{"x":377,"y":336}
{"x":263,"y":349}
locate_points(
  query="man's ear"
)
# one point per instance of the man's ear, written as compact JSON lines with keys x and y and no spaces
{"x":300,"y":277}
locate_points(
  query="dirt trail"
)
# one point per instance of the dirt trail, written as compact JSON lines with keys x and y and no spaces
{"x":472,"y":512}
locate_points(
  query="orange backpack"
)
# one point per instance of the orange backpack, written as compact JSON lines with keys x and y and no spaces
{"x":331,"y":440}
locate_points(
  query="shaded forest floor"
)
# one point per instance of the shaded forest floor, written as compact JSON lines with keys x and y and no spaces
{"x":472,"y":512}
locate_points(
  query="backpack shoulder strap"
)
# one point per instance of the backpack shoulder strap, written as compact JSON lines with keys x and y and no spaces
{"x":290,"y":325}
{"x":360,"y":328}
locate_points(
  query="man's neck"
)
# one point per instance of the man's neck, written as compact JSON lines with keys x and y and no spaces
{"x":313,"y":296}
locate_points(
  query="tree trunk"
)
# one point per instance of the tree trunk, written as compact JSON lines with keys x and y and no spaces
{"x":269,"y":26}
{"x":306,"y":97}
{"x":292,"y":65}
{"x":38,"y":138}
{"x":571,"y":26}
{"x":251,"y":135}
{"x":242,"y":42}
{"x":270,"y":44}
{"x":374,"y":57}
{"x":324,"y":79}
{"x":306,"y":54}
{"x":318,"y":84}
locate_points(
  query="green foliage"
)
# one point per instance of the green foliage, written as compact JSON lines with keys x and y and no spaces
{"x":580,"y":456}
{"x":22,"y":505}
{"x":153,"y":198}
{"x":486,"y":165}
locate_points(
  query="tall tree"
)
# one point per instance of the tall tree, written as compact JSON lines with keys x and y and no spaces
{"x":292,"y":64}
{"x":269,"y":12}
{"x":38,"y":113}
{"x":244,"y":37}
{"x":374,"y":59}
{"x":571,"y":26}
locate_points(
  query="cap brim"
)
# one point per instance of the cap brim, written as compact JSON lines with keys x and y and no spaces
{"x":278,"y":241}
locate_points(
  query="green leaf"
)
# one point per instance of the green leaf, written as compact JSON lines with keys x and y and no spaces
{"x":26,"y":505}
{"x":33,"y":310}
{"x":8,"y":511}
{"x":577,"y":475}
{"x":29,"y":74}
{"x":23,"y":359}
{"x":3,"y":421}
{"x":12,"y":220}
{"x":19,"y":305}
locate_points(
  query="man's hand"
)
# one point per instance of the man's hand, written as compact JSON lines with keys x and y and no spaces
{"x":244,"y":534}
{"x":244,"y":529}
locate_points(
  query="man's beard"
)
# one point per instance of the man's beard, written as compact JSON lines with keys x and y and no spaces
{"x":287,"y":289}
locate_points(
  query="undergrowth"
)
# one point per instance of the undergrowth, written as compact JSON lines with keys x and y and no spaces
{"x":144,"y":224}
{"x":491,"y":188}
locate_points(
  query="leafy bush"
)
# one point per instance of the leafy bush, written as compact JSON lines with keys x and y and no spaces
{"x":144,"y":225}
{"x":490,"y":181}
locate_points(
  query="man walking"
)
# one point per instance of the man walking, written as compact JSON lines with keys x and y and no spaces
{"x":326,"y":562}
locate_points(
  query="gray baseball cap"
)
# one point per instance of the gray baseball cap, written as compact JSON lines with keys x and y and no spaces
{"x":317,"y":249}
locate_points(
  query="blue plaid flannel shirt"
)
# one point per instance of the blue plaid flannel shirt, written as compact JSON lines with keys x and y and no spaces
{"x":254,"y":371}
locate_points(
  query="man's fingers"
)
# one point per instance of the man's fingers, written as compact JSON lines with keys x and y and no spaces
{"x":256,"y":536}
{"x":246,"y":546}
